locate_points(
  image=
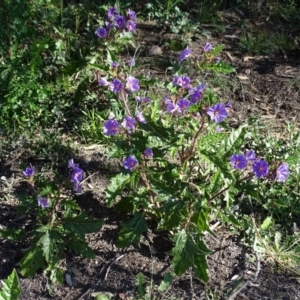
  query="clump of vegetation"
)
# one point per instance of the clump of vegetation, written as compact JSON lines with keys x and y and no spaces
{"x":181,"y":166}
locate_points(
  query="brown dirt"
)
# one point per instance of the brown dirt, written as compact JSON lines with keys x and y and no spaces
{"x":267,"y":86}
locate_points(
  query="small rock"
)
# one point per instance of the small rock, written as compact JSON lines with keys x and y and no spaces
{"x":69,"y":280}
{"x":76,"y":271}
{"x":155,"y":50}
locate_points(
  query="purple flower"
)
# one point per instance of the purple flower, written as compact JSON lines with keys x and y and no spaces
{"x":140,"y":117}
{"x":101,"y":32}
{"x":119,"y":21}
{"x":207,"y":47}
{"x":131,"y":62}
{"x":217,"y":112}
{"x":238,"y":161}
{"x":111,"y":13}
{"x":142,"y":99}
{"x":114,"y":64}
{"x":130,"y":162}
{"x":103,"y":82}
{"x":71,"y":164}
{"x":184,"y":54}
{"x":196,"y":96}
{"x":182,"y":81}
{"x":111,"y":127}
{"x":217,"y":59}
{"x":228,"y":104}
{"x":167,"y":100}
{"x":116,"y":85}
{"x":109,"y":25}
{"x":177,"y":80}
{"x":185,"y":82}
{"x":260,"y":168}
{"x":282,"y":172}
{"x":129,"y":123}
{"x":28,"y":172}
{"x":201,"y":87}
{"x":250,"y":155}
{"x":183,"y":105}
{"x":131,"y":15}
{"x":148,"y":153}
{"x":43,"y":202}
{"x":172,"y":107}
{"x":130,"y":25}
{"x":132,"y":84}
{"x":76,"y":177}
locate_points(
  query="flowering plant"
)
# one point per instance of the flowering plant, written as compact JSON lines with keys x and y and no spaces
{"x":179,"y":161}
{"x":52,"y":233}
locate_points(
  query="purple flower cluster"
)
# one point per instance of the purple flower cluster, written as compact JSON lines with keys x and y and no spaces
{"x":116,"y":85}
{"x":115,"y":20}
{"x":260,"y":167}
{"x":76,"y":175}
{"x":111,"y":127}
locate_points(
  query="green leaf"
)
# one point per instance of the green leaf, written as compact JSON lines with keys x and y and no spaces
{"x":57,"y":276}
{"x":166,"y":282}
{"x":48,"y":245}
{"x":268,"y":221}
{"x":200,"y":218}
{"x":189,"y":252}
{"x":13,"y":234}
{"x":158,"y":129}
{"x":10,"y":287}
{"x":81,"y":224}
{"x":117,"y":184}
{"x":131,"y":231}
{"x":125,"y":204}
{"x":234,"y":141}
{"x":218,"y":162}
{"x":139,"y":284}
{"x":32,"y":261}
{"x":277,"y":239}
{"x":173,"y":213}
{"x":81,"y":247}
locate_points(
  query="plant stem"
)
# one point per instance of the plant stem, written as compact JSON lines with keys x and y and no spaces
{"x":191,"y":151}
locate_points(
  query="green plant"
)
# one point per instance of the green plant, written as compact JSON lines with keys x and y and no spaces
{"x":59,"y":224}
{"x":144,"y":290}
{"x":177,"y":163}
{"x":10,"y":287}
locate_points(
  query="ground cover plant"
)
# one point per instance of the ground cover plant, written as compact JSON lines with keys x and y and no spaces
{"x":180,"y":167}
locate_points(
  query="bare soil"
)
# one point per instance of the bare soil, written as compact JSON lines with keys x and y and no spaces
{"x":266,"y":86}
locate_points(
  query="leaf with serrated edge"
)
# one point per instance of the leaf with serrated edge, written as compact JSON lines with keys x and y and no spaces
{"x":81,"y":224}
{"x":190,"y":252}
{"x":131,"y":231}
{"x":32,"y":261}
{"x":117,"y":184}
{"x":166,"y":282}
{"x":10,"y":287}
